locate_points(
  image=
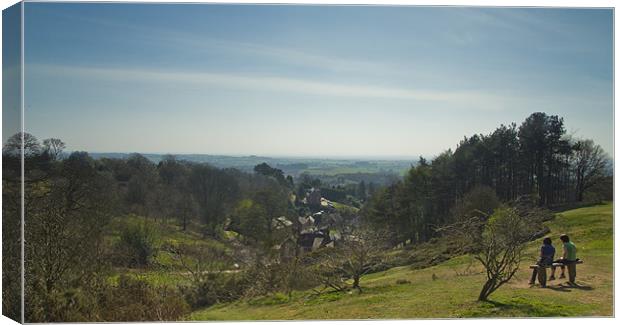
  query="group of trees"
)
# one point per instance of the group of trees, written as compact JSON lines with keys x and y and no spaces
{"x":66,"y":206}
{"x":199,"y":194}
{"x":70,"y":199}
{"x":536,"y":159}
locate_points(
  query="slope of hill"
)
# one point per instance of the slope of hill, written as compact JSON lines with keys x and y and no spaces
{"x":450,"y":289}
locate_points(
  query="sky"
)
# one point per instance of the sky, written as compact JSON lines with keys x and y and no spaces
{"x":319,"y":81}
{"x":11,"y":72}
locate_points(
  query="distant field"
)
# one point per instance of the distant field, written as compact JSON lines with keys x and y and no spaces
{"x":292,"y":165}
{"x":339,"y":170}
{"x":439,"y":291}
{"x":343,"y":170}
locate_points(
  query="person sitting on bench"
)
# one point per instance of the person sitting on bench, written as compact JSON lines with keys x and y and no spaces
{"x":569,"y":257}
{"x":547,"y":251}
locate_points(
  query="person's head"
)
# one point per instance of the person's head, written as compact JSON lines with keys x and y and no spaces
{"x":564,"y":238}
{"x":547,"y":241}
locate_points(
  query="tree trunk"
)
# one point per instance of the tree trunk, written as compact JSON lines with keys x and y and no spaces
{"x":356,"y":282}
{"x":486,"y":290}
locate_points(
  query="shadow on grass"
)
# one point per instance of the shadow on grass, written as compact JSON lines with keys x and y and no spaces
{"x":518,"y":307}
{"x":528,"y":308}
{"x":567,"y":287}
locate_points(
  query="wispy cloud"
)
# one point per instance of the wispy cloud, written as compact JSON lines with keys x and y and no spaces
{"x":284,"y":55}
{"x":532,"y":23}
{"x":268,"y":83}
{"x":199,"y":43}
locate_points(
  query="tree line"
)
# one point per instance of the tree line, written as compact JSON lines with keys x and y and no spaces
{"x":536,"y":159}
{"x":70,"y":201}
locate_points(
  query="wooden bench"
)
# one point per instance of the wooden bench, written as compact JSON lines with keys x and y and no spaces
{"x":542,"y":271}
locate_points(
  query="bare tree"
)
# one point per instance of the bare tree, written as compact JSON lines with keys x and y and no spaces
{"x":497,"y":241}
{"x":65,"y":218}
{"x":22,"y":141}
{"x":590,"y":165}
{"x":205,"y":261}
{"x":354,"y":256}
{"x":53,"y":147}
{"x":501,"y":248}
{"x":205,"y":267}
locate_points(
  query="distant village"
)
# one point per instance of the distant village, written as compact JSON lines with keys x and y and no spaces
{"x":321,"y":227}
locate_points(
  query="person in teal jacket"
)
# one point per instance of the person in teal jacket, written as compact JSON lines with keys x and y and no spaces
{"x":569,"y":258}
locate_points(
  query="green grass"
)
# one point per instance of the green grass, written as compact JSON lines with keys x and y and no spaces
{"x":438,"y":291}
{"x":165,"y":269}
{"x":344,"y":208}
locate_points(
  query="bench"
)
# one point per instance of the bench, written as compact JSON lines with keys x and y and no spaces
{"x":542,"y":271}
{"x":536,"y":266}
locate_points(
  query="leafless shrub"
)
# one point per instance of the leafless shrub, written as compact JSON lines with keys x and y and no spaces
{"x":497,"y":241}
{"x":353,"y":257}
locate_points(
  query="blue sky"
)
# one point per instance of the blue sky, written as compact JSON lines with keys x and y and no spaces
{"x":309,"y":80}
{"x":11,"y":72}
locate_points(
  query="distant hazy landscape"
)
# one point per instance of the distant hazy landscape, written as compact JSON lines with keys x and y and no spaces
{"x":331,"y":170}
{"x":290,"y":165}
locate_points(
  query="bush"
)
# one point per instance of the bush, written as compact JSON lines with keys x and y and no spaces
{"x":601,"y":191}
{"x":214,"y":289}
{"x":282,"y":277}
{"x":137,"y":246}
{"x":131,"y":300}
{"x":136,"y":300}
{"x":68,"y":305}
{"x":501,"y":247}
{"x":208,"y":270}
{"x":264,"y":279}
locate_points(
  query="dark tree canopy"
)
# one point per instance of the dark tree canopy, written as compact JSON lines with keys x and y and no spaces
{"x":266,"y":170}
{"x":536,"y":159}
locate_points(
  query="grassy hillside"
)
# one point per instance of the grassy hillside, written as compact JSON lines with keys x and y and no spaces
{"x":450,"y":289}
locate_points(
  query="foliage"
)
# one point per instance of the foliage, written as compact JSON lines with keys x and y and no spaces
{"x":216,"y":192}
{"x":138,"y":244}
{"x":211,"y":275}
{"x":353,"y":257}
{"x":591,"y":166}
{"x":497,"y":240}
{"x":257,"y":218}
{"x":536,"y":159}
{"x":135,"y":300}
{"x":67,"y":207}
{"x":11,"y":234}
{"x":479,"y":201}
{"x":266,"y":170}
{"x":501,"y":248}
{"x":53,"y":147}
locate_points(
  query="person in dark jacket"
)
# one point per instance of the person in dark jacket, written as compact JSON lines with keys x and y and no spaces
{"x":547,"y":251}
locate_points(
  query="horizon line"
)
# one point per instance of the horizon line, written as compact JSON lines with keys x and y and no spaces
{"x":271,"y":156}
